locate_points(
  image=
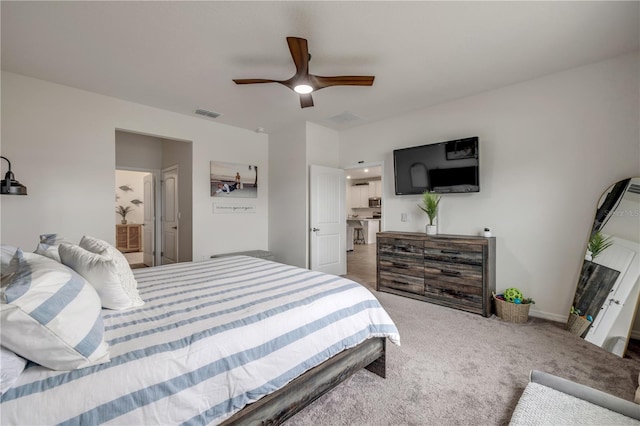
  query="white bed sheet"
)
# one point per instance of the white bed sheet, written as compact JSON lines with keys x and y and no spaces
{"x":212,"y":337}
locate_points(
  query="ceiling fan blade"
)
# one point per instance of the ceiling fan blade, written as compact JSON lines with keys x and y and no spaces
{"x":320,"y":82}
{"x":306,"y":101}
{"x":300,"y":54}
{"x":254,"y":80}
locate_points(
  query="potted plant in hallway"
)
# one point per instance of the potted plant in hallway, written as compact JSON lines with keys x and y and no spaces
{"x":430,"y":203}
{"x":123,"y":211}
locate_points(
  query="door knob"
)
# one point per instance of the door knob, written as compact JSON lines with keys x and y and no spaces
{"x":174,"y":227}
{"x":315,"y":229}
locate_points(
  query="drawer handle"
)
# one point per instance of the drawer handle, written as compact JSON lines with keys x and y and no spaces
{"x":450,"y":273}
{"x":449,"y":252}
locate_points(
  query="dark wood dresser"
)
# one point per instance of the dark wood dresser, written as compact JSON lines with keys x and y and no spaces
{"x":451,"y":270}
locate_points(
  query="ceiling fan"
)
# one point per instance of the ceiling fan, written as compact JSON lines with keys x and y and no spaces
{"x":305,"y":83}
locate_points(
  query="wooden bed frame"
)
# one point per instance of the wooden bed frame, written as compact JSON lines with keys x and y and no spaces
{"x":277,"y":407}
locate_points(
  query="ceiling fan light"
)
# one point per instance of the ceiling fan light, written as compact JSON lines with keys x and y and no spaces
{"x":303,"y":89}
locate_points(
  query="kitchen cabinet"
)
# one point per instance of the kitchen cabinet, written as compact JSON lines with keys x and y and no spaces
{"x":375,"y":189}
{"x":359,"y":196}
{"x":370,"y":231}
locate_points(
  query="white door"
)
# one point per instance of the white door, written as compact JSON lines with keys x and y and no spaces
{"x":148,"y":232}
{"x":327,"y":220}
{"x":170,"y":215}
{"x":620,"y":256}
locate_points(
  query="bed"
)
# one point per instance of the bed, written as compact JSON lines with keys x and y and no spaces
{"x":232,"y":340}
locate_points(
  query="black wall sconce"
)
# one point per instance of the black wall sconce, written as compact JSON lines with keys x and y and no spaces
{"x":9,"y":185}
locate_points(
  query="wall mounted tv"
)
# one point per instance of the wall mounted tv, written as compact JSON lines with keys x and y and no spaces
{"x":445,"y":167}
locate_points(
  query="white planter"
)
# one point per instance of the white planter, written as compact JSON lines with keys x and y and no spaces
{"x":431,"y":229}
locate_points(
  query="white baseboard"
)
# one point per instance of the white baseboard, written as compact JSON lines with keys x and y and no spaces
{"x":635,"y":334}
{"x":548,"y":315}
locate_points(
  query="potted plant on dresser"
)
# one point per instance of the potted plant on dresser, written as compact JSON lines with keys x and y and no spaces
{"x":430,"y":201}
{"x":123,"y":211}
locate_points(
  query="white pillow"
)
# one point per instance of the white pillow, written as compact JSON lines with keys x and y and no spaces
{"x":101,"y":271}
{"x":51,"y":315}
{"x":127,"y":280}
{"x":49,"y":244}
{"x":11,"y":366}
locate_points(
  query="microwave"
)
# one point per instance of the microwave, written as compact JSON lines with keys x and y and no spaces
{"x":375,"y":202}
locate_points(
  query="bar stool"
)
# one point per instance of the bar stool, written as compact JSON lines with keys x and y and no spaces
{"x":358,"y":235}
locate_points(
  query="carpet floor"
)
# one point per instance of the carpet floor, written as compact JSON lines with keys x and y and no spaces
{"x":458,"y":368}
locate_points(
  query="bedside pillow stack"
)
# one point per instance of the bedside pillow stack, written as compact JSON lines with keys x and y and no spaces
{"x":51,"y":315}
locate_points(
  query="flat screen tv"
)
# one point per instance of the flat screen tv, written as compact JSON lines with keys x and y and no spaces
{"x":445,"y":167}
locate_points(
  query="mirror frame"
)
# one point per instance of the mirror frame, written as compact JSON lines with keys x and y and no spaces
{"x":601,"y":285}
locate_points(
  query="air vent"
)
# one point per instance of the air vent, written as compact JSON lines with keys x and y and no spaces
{"x":634,"y":188}
{"x":206,"y":113}
{"x":344,"y":117}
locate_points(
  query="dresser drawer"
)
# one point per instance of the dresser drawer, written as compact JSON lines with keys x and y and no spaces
{"x":455,"y":273}
{"x":399,"y":247}
{"x":401,"y":257}
{"x":463,"y":254}
{"x":468,"y":297}
{"x":408,"y":283}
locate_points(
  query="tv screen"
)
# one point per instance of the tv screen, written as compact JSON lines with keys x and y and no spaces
{"x":445,"y":167}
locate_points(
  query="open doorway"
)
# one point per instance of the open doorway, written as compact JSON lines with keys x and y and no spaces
{"x":364,"y":205}
{"x":136,"y":152}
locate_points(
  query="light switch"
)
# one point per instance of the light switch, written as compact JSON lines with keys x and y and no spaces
{"x":403,"y":217}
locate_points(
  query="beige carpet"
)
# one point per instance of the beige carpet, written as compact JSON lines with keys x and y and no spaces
{"x":457,"y":368}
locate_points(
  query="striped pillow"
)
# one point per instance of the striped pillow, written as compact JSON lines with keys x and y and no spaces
{"x":51,"y":315}
{"x":49,"y":244}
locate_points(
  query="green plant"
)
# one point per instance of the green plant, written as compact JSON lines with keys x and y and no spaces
{"x":430,"y":203}
{"x":123,"y":211}
{"x":598,"y":243}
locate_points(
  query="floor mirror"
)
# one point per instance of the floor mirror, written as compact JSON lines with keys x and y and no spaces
{"x":605,"y":305}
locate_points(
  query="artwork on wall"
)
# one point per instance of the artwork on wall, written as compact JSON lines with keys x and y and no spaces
{"x":458,"y":150}
{"x":233,"y":180}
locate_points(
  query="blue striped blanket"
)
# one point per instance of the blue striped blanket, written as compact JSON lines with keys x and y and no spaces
{"x":212,"y":337}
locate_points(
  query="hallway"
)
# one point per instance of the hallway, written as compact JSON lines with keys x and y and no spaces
{"x":361,"y":265}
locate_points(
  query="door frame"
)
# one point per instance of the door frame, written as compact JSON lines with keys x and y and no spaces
{"x":374,"y":164}
{"x":177,"y":203}
{"x":158,"y":201}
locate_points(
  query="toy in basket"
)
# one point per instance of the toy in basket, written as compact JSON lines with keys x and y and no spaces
{"x":578,"y":323}
{"x":511,"y":306}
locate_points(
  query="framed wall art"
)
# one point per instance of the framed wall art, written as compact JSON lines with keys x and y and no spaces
{"x":231,"y":180}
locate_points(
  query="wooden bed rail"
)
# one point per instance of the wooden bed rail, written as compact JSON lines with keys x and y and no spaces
{"x":277,"y":407}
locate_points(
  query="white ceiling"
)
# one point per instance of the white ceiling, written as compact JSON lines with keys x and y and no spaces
{"x":364,"y":172}
{"x":181,"y":56}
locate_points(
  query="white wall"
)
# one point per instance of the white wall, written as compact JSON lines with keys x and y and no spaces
{"x":288,"y":190}
{"x":323,"y":146}
{"x":61,"y":144}
{"x":548,"y":148}
{"x":291,"y":152}
{"x":135,"y":181}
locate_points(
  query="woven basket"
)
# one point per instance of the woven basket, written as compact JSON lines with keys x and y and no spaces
{"x":577,"y":325}
{"x":512,"y":312}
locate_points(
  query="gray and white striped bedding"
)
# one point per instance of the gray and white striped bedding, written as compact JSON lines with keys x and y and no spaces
{"x":212,"y":337}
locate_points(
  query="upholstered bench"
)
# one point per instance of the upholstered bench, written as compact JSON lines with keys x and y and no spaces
{"x":552,"y":400}
{"x":262,"y":254}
